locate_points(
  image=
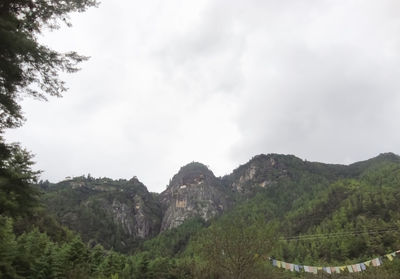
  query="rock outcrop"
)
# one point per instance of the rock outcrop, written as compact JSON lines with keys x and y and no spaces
{"x":119,"y":214}
{"x":114,"y":213}
{"x":261,"y":171}
{"x":193,"y":191}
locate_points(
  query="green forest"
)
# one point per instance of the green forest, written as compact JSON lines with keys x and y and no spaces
{"x":305,"y":220}
{"x":310,"y":214}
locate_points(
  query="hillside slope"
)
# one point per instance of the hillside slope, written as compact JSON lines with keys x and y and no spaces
{"x":116,"y":214}
{"x":301,"y":195}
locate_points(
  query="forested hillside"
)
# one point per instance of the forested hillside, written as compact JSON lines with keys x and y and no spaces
{"x":306,"y":213}
{"x":115,"y":214}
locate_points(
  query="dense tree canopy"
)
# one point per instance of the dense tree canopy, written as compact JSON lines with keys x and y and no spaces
{"x":17,"y":197}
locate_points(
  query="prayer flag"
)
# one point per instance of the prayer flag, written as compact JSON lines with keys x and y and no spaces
{"x":367,"y":263}
{"x":359,"y":267}
{"x":363,"y":267}
{"x":349,"y":267}
{"x":278,"y":263}
{"x":306,"y":268}
{"x":376,"y":262}
{"x":296,"y":267}
{"x":337,"y":269}
{"x":390,"y":257}
{"x":274,"y":263}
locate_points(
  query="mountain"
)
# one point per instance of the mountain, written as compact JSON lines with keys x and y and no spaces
{"x":193,"y":192}
{"x":114,"y":213}
{"x":121,"y":214}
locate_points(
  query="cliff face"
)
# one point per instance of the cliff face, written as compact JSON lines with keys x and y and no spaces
{"x":116,"y":214}
{"x":120,"y":213}
{"x":262,"y":171}
{"x":193,"y":191}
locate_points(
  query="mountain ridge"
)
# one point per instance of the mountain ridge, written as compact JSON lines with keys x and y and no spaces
{"x":129,"y":213}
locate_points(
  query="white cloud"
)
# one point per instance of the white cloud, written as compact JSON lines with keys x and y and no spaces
{"x":170,"y":82}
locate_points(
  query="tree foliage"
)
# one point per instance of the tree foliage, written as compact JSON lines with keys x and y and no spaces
{"x":235,"y":247}
{"x":28,"y":67}
{"x":17,"y":196}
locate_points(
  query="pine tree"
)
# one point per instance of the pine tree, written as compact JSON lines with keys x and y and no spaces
{"x":17,"y":196}
{"x":24,"y":61}
{"x":7,"y":248}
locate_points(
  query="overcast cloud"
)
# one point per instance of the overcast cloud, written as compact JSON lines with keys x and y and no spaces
{"x":170,"y":82}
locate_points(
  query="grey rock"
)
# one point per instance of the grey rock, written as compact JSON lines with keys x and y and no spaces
{"x":193,"y":192}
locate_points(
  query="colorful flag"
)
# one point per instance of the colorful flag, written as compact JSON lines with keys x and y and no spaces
{"x":350,"y":268}
{"x":390,"y":257}
{"x":315,"y":270}
{"x":354,"y":266}
{"x":359,"y":267}
{"x":376,"y":262}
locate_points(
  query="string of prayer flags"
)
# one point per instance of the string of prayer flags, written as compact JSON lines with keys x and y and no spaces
{"x":358,"y":267}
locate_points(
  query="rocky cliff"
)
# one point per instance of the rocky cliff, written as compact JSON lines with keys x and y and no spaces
{"x":121,"y":213}
{"x":262,"y":171}
{"x":114,"y":213}
{"x":193,"y":191}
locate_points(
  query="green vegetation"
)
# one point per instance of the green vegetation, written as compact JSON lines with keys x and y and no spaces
{"x":316,"y":221}
{"x":103,"y":210}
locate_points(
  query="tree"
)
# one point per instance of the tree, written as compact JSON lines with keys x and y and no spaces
{"x":26,"y":66}
{"x":17,"y":197}
{"x":236,"y":246}
{"x":7,"y":248}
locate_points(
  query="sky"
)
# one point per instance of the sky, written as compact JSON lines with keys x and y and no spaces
{"x":218,"y":82}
